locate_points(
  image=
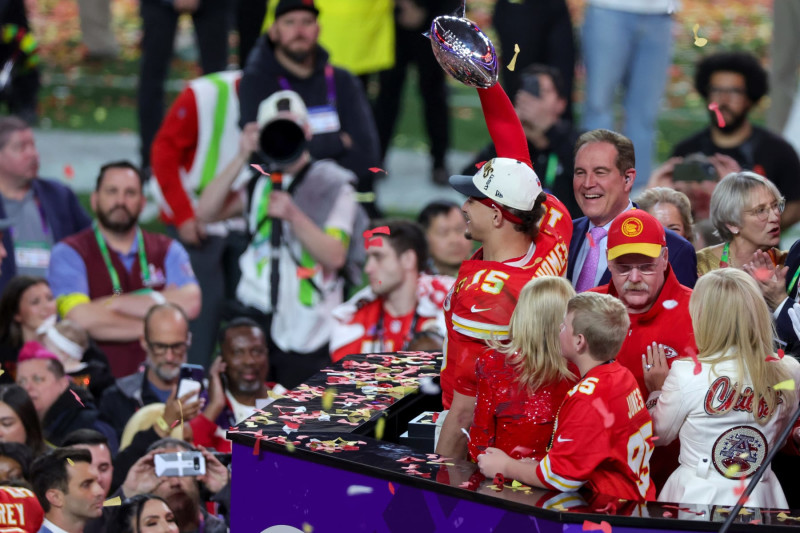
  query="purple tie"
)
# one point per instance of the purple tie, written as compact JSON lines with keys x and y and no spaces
{"x":589,"y":270}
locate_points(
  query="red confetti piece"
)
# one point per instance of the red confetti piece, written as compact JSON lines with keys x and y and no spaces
{"x":376,"y":170}
{"x":77,"y":398}
{"x":377,"y":242}
{"x":174,"y":424}
{"x":521,"y":451}
{"x":590,"y":239}
{"x":608,"y":417}
{"x":306,"y":273}
{"x":667,"y":514}
{"x":258,"y":167}
{"x":69,"y":172}
{"x":770,"y":359}
{"x":781,"y":353}
{"x":754,"y":522}
{"x":715,"y":108}
{"x":499,"y":481}
{"x":257,"y":445}
{"x":383,"y":230}
{"x":391,"y":488}
{"x":610,"y":508}
{"x":603,"y":526}
{"x":693,"y":354}
{"x":480,"y":165}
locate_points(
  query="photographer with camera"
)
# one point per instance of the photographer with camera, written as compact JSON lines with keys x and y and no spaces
{"x":301,"y":219}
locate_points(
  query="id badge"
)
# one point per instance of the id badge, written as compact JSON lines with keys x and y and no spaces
{"x":32,"y":254}
{"x":324,"y":119}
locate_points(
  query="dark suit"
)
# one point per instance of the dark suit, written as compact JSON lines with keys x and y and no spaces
{"x":783,"y":324}
{"x":786,"y":466}
{"x":681,"y":254}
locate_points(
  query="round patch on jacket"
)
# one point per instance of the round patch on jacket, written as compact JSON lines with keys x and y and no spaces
{"x":742,"y":446}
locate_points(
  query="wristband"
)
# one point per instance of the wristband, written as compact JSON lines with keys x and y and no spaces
{"x":157,"y":297}
{"x":162,"y":424}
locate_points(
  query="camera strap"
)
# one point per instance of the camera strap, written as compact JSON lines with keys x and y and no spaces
{"x":276,"y":235}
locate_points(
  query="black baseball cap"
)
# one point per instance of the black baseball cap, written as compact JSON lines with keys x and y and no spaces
{"x":285,"y":6}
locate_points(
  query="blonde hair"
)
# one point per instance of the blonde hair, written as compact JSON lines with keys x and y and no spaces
{"x":730,"y":318}
{"x":533,"y":348}
{"x":602,"y":320}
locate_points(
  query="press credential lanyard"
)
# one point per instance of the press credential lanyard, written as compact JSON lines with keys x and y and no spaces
{"x":112,"y":272}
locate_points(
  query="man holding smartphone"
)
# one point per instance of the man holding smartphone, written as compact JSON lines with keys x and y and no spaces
{"x":236,"y":381}
{"x":166,"y":341}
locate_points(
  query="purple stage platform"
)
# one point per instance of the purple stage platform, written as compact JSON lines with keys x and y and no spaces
{"x":297,"y":467}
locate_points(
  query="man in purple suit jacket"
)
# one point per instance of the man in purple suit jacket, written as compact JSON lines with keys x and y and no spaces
{"x":603,"y":178}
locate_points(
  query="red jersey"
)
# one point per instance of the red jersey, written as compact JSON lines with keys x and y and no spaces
{"x":382,"y":332}
{"x":668,"y":323}
{"x":507,"y":415}
{"x":364,"y":326}
{"x":21,"y":511}
{"x":480,"y":304}
{"x":603,"y":438}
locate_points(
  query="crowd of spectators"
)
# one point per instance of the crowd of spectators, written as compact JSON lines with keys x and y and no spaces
{"x":277,"y":262}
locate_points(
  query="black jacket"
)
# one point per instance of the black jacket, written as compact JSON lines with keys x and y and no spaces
{"x":261,"y":78}
{"x":67,"y":414}
{"x":121,"y":400}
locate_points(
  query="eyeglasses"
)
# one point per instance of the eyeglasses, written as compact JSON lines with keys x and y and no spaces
{"x":726,"y":91}
{"x":646,"y":269}
{"x":761,"y":212}
{"x":159,"y":348}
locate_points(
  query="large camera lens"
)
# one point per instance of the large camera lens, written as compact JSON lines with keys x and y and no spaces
{"x":282,"y":141}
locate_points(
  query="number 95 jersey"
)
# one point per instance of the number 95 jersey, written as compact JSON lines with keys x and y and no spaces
{"x":479,"y":305}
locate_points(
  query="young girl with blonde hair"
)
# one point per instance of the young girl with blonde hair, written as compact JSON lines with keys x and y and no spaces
{"x":523,"y":380}
{"x":727,"y":408}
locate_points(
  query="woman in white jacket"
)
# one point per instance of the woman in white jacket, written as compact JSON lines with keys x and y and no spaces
{"x":725,"y":407}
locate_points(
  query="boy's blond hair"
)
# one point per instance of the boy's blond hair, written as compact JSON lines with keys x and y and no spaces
{"x":602,"y":320}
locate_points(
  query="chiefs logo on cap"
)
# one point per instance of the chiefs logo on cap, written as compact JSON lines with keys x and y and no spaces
{"x":632,"y":227}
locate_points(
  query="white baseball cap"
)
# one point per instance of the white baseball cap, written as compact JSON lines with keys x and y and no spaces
{"x":282,"y":105}
{"x":282,"y":125}
{"x":506,"y":181}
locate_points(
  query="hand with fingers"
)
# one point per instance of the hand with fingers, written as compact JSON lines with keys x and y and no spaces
{"x":492,"y":462}
{"x":179,"y":410}
{"x":216,"y":390}
{"x":770,"y":279}
{"x":217,"y":474}
{"x":655,"y":367}
{"x":141,"y":478}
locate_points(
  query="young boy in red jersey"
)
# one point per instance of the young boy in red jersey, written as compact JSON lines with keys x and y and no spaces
{"x":603,"y":432}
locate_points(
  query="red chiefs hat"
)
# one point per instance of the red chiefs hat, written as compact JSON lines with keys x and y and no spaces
{"x":635,"y":232}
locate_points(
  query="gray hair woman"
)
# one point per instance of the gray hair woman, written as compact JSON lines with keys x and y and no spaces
{"x":671,"y":208}
{"x":746,"y":212}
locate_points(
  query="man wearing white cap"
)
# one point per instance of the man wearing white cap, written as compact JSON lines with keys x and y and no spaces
{"x":301,"y":218}
{"x":504,"y":210}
